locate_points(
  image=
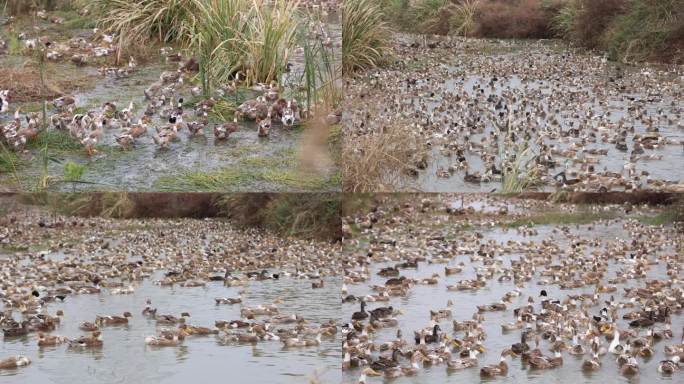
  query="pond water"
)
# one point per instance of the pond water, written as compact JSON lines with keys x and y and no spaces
{"x":614,"y":107}
{"x":124,"y":357}
{"x":422,"y":298}
{"x":456,"y":93}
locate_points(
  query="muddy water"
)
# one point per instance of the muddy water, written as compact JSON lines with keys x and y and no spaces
{"x":666,"y":168}
{"x":423,"y":298}
{"x":125,"y":358}
{"x":140,"y":167}
{"x":549,"y":89}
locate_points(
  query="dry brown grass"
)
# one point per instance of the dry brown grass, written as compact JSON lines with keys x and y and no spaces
{"x":24,"y":84}
{"x":376,"y":161}
{"x":512,"y":19}
{"x":128,"y":205}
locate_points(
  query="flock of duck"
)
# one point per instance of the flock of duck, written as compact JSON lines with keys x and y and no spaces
{"x":88,"y":128}
{"x":611,"y":301}
{"x":564,"y":118}
{"x":112,"y":257}
{"x":162,"y":100}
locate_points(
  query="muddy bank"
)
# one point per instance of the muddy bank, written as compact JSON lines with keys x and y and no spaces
{"x":310,"y":215}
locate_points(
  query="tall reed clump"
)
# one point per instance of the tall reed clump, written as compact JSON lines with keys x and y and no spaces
{"x":144,"y":21}
{"x":649,"y":29}
{"x":462,"y":18}
{"x":254,"y":37}
{"x":137,"y":23}
{"x":587,"y":21}
{"x":215,"y":38}
{"x":517,"y":160}
{"x":320,"y":82}
{"x":365,"y":35}
{"x":273,"y":34}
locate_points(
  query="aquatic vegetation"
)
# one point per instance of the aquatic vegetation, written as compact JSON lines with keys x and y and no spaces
{"x":230,"y":179}
{"x":56,"y":140}
{"x":73,"y":172}
{"x":585,"y":216}
{"x":321,"y":75}
{"x":517,"y":160}
{"x":365,"y":35}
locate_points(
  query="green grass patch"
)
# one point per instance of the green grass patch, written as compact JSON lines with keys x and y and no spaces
{"x":8,"y":161}
{"x":55,"y":141}
{"x":203,"y":181}
{"x":10,"y":248}
{"x":560,"y":218}
{"x":662,"y":218}
{"x":232,"y":179}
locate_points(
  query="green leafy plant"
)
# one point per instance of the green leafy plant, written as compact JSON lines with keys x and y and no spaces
{"x":73,"y":173}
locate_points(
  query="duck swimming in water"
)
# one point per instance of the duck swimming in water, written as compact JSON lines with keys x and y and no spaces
{"x":500,"y":369}
{"x":50,"y":340}
{"x":113,"y":320}
{"x":615,"y":347}
{"x":14,"y":362}
{"x":593,"y":363}
{"x":668,"y":367}
{"x":362,"y":314}
{"x":468,"y":362}
{"x":92,"y":341}
{"x":160,"y":341}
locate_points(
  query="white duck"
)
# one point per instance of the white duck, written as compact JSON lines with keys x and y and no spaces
{"x":615,"y":347}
